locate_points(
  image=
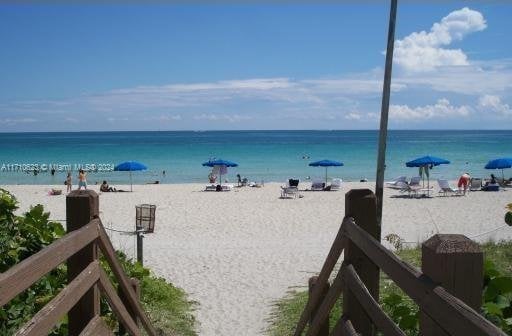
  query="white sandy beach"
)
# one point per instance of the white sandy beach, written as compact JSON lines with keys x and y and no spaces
{"x":236,"y":252}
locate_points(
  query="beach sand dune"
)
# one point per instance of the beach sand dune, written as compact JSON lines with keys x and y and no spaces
{"x":236,"y":252}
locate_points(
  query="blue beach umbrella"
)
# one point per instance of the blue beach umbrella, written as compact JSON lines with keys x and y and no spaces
{"x":501,"y":163}
{"x":220,"y":163}
{"x":425,"y":163}
{"x":130,"y":166}
{"x":326,"y":164}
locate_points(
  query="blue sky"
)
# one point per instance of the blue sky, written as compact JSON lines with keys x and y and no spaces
{"x":197,"y":67}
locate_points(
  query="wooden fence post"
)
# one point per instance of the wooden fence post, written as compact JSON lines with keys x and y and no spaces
{"x":456,"y":263}
{"x":324,"y":329}
{"x":134,"y":283}
{"x":361,"y":204}
{"x":81,"y":207}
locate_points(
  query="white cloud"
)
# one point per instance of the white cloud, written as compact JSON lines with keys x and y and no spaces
{"x":353,"y":116}
{"x":494,"y":104}
{"x":16,"y":121}
{"x":232,"y":118}
{"x":441,"y":109}
{"x":424,"y":51}
{"x":163,"y":118}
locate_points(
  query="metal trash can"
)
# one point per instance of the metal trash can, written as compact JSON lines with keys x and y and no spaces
{"x":145,"y":217}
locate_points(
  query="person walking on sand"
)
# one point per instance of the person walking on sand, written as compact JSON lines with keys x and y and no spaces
{"x":69,"y":183}
{"x":82,"y":182}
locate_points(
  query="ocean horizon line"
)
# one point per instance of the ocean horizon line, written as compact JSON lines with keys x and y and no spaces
{"x":265,"y":130}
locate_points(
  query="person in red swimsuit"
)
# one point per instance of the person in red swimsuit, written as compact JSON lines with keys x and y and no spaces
{"x":463,"y":182}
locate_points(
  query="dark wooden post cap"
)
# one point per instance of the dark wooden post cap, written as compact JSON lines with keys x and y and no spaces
{"x":78,"y":198}
{"x":451,"y":243}
{"x":359,"y":193}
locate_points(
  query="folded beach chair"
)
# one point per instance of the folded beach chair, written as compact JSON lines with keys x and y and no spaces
{"x":317,"y":186}
{"x":336,"y":184}
{"x":446,"y":189}
{"x":396,"y":183}
{"x":475,"y":184}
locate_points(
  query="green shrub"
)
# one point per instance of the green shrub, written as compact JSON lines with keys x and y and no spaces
{"x":22,"y":236}
{"x":496,"y":307}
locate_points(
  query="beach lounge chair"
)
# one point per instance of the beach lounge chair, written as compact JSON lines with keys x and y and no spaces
{"x":227,"y":187}
{"x":415,"y":181}
{"x":504,"y":183}
{"x":412,"y":190}
{"x":446,"y":189}
{"x":211,"y":187}
{"x":475,"y":184}
{"x":396,"y":183}
{"x":293,"y":183}
{"x":336,"y":184}
{"x":491,"y":187}
{"x":289,"y":192}
{"x":317,"y":186}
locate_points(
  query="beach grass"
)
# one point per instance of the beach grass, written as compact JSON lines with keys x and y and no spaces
{"x":287,"y":310}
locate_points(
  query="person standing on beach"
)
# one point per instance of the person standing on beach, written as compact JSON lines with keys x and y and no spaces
{"x":69,"y":183}
{"x":82,"y":182}
{"x":464,"y":182}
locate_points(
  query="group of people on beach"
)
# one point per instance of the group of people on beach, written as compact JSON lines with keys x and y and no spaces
{"x":82,"y":183}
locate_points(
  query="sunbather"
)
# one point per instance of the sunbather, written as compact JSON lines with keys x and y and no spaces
{"x":106,"y":188}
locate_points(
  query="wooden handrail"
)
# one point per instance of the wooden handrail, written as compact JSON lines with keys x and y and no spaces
{"x":109,"y":253}
{"x":450,"y":313}
{"x":96,"y":327}
{"x":22,"y":275}
{"x":45,"y":319}
{"x":325,"y":307}
{"x":332,"y":258}
{"x":117,"y":305}
{"x":372,"y":308}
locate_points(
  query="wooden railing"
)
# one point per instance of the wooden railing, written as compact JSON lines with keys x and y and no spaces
{"x":80,"y":299}
{"x":448,"y":290}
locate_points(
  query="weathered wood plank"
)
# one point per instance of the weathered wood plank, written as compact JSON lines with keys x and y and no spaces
{"x":372,"y":308}
{"x":332,"y":258}
{"x":456,"y":263}
{"x":49,"y":315}
{"x":23,"y":275}
{"x":322,"y":314}
{"x":344,"y":328}
{"x":361,"y":204}
{"x":117,"y":305}
{"x":96,"y":327}
{"x":449,"y":312}
{"x":82,"y":206}
{"x":320,"y":326}
{"x":109,"y":253}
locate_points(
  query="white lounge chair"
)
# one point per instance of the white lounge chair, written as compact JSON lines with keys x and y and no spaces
{"x":211,"y":187}
{"x":289,"y":192}
{"x":446,"y":189}
{"x":475,"y":184}
{"x":411,"y":190}
{"x":336,"y":184}
{"x":317,"y":185}
{"x":396,"y":183}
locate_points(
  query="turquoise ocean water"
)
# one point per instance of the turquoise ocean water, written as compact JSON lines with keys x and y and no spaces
{"x":261,"y":155}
